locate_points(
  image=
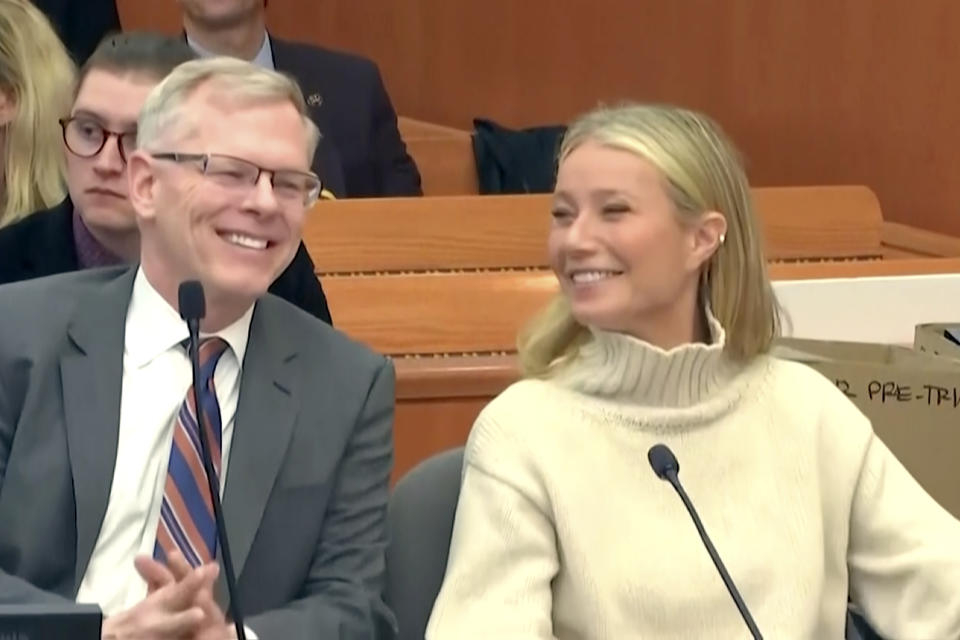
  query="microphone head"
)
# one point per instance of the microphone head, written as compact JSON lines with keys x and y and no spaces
{"x":663,"y":461}
{"x":192,"y":303}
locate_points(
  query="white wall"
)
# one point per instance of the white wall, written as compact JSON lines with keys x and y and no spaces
{"x":868,"y":309}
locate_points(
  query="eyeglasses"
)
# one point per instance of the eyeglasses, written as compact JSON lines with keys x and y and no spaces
{"x":289,"y":186}
{"x":86,"y":138}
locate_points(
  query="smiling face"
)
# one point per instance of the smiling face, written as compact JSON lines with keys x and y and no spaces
{"x":625,"y":259}
{"x":236,"y":239}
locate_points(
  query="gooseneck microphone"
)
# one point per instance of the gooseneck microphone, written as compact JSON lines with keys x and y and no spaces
{"x":667,"y":468}
{"x":192,"y":310}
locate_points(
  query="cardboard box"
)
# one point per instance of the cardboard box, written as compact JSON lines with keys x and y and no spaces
{"x":912,"y":399}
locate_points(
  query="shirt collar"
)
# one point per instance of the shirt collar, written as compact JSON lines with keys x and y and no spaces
{"x":153,"y":326}
{"x":90,"y":252}
{"x":264,"y":57}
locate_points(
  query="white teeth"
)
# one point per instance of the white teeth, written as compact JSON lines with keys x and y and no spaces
{"x":245,"y":241}
{"x":591,"y":276}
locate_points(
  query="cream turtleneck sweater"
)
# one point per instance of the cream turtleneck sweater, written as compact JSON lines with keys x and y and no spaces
{"x":564,"y":532}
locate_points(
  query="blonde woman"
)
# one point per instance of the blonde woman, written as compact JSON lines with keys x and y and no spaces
{"x":661,"y":335}
{"x":36,"y":87}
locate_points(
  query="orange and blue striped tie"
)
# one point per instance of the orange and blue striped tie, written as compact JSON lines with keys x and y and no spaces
{"x":187,"y":522}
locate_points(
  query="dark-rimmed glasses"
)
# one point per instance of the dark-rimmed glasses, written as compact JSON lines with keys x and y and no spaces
{"x":289,"y":186}
{"x":86,"y":138}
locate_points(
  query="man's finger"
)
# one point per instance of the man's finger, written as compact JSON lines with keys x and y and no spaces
{"x":178,"y":565}
{"x":211,"y":611}
{"x":213,"y":571}
{"x":179,"y":624}
{"x":179,"y":596}
{"x":153,"y":573}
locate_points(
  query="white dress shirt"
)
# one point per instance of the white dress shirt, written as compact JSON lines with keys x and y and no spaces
{"x":156,"y":377}
{"x":264,"y":57}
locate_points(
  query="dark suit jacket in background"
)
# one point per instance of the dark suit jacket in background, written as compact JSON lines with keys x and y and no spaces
{"x":350,"y":106}
{"x":306,"y":491}
{"x":81,"y":23}
{"x":42,"y":245}
{"x":515,"y":161}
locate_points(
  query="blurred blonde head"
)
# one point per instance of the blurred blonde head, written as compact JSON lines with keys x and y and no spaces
{"x":702,"y":173}
{"x":37,"y":76}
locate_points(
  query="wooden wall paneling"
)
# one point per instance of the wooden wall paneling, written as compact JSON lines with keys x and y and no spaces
{"x":814,"y":92}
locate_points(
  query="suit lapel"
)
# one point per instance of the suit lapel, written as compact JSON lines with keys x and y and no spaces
{"x":91,"y":374}
{"x":285,"y":60}
{"x":266,"y":411}
{"x":327,"y":161}
{"x":50,"y":248}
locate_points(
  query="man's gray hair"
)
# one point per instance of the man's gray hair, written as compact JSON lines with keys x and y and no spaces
{"x":232,"y":80}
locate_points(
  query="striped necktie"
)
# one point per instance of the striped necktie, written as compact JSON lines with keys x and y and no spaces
{"x":187,"y":522}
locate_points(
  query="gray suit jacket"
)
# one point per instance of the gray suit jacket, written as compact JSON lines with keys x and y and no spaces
{"x":306,"y":490}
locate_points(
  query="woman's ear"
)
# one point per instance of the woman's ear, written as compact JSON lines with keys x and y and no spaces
{"x":707,"y":234}
{"x":8,"y":107}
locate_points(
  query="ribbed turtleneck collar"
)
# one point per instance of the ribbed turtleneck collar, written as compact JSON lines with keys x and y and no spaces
{"x":621,"y":368}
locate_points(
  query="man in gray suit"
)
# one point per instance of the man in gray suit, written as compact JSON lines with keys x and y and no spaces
{"x":102,"y":495}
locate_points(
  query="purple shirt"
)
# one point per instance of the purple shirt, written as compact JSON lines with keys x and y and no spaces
{"x":90,"y":253}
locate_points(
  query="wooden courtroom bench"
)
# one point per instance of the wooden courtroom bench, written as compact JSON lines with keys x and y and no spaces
{"x":442,"y":284}
{"x":444,"y":156}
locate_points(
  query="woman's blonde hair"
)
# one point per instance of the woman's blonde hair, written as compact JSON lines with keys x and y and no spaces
{"x":37,"y":73}
{"x":702,"y":172}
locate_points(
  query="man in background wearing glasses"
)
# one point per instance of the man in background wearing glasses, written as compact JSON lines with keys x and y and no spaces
{"x":95,"y":225}
{"x":102,"y":495}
